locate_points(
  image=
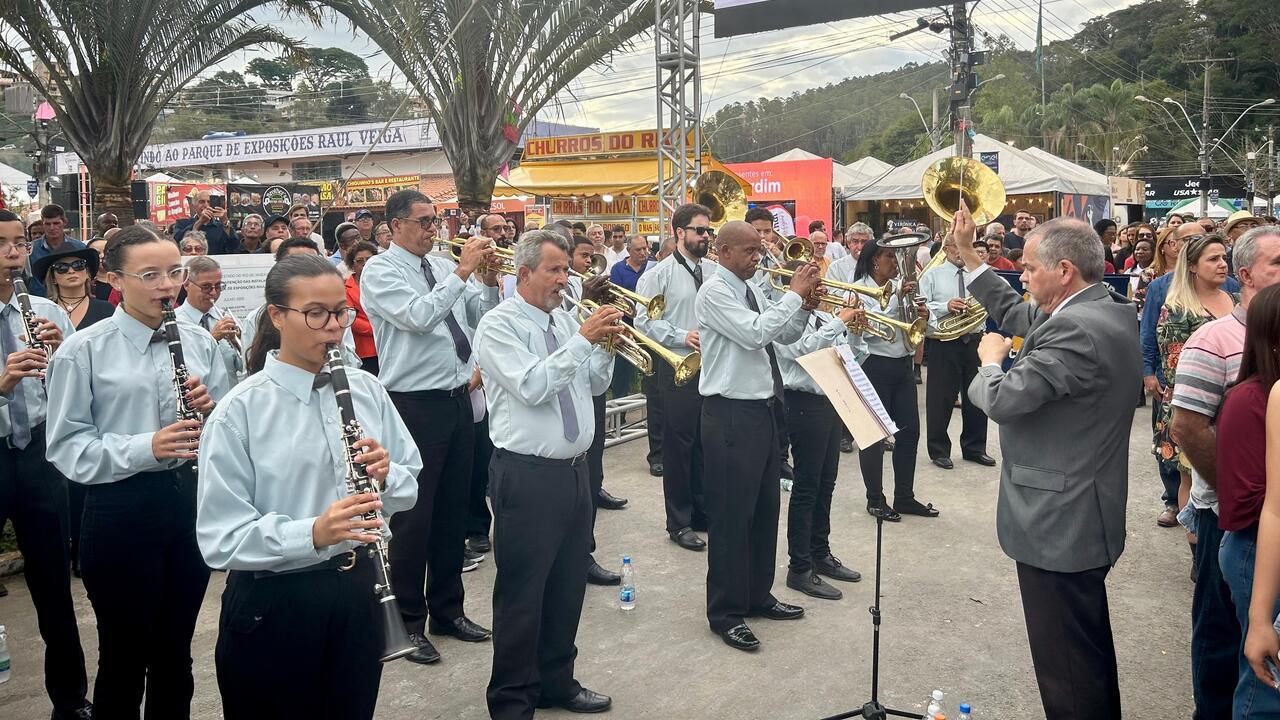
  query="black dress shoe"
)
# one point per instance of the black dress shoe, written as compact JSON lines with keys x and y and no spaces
{"x":915,"y":507}
{"x":834,"y":569}
{"x":944,"y":463}
{"x":424,"y":652}
{"x":740,"y":637}
{"x":786,"y":472}
{"x":688,"y":539}
{"x":84,"y":713}
{"x":609,"y":502}
{"x":597,"y":575}
{"x":480,"y":544}
{"x":810,"y":584}
{"x":883,"y":511}
{"x":461,"y":628}
{"x":780,"y":611}
{"x":655,"y":469}
{"x":846,"y":445}
{"x":981,"y":459}
{"x":585,"y":701}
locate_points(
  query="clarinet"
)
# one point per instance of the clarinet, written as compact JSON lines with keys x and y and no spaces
{"x":29,"y":316}
{"x":395,"y":638}
{"x":180,"y":373}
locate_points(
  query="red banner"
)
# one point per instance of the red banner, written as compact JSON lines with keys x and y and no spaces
{"x":795,"y":191}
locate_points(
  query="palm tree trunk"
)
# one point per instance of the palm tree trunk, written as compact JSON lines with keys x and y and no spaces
{"x":112,"y":197}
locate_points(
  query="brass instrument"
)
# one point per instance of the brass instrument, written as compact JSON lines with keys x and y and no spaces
{"x":912,"y":332}
{"x":722,"y":195}
{"x":506,"y":257}
{"x":957,"y":325}
{"x":626,"y":300}
{"x":635,"y":347}
{"x":395,"y":638}
{"x":599,"y":263}
{"x":800,"y":250}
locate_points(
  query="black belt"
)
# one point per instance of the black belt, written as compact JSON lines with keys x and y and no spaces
{"x":37,"y":433}
{"x":574,"y":461}
{"x":433,"y":394}
{"x":768,"y":402}
{"x":342,"y":562}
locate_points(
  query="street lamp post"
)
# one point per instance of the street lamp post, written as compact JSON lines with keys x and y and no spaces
{"x":935,"y":142}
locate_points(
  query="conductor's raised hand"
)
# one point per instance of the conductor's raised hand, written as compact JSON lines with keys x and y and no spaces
{"x":805,"y":280}
{"x":343,"y":520}
{"x":965,"y":231}
{"x":601,"y":324}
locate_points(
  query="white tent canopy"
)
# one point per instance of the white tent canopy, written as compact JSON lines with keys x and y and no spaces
{"x":1021,"y":171}
{"x":10,"y":175}
{"x":1218,"y":211}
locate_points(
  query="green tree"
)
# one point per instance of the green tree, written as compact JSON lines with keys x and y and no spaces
{"x":109,"y":81}
{"x":508,"y":59}
{"x":226,"y":95}
{"x":274,"y":73}
{"x":321,"y":66}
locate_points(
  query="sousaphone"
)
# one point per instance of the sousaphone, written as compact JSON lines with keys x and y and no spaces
{"x":722,"y":194}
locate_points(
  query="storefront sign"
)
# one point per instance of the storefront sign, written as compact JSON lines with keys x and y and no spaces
{"x":1165,"y":192}
{"x":268,"y":200}
{"x":1127,"y":191}
{"x":619,"y":143}
{"x":366,"y":192}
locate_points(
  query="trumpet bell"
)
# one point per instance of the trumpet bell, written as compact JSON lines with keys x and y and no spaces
{"x":799,"y":250}
{"x":722,"y":195}
{"x":687,"y":368}
{"x":950,"y":179}
{"x":598,"y":264}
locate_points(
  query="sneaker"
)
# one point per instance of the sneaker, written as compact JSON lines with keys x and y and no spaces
{"x":470,"y":560}
{"x":1168,"y":518}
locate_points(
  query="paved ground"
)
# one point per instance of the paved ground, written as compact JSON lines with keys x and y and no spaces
{"x":952,"y":618}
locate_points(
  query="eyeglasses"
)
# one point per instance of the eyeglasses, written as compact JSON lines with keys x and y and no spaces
{"x":151,"y":279}
{"x":11,"y":245}
{"x":210,"y":288}
{"x":426,"y":222}
{"x":1146,"y":236}
{"x":64,"y":268}
{"x":318,"y":318}
{"x":710,"y":232}
{"x":192,"y":249}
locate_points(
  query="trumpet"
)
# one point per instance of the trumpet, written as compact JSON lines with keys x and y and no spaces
{"x":823,"y":293}
{"x":505,"y":258}
{"x":887,"y":327}
{"x":635,"y":347}
{"x":624,"y":299}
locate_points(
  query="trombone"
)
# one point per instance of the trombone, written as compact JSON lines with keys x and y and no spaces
{"x":505,"y":258}
{"x":622,"y":298}
{"x":887,"y":327}
{"x":635,"y":347}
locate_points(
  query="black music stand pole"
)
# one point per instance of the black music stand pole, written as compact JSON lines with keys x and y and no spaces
{"x":873,"y":710}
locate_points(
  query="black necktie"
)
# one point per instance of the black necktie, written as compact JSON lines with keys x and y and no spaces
{"x":157,"y":337}
{"x":697,"y":274}
{"x":320,"y":380}
{"x":768,"y":348}
{"x":460,"y":343}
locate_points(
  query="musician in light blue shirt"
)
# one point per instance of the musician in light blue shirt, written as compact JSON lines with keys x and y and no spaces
{"x":541,"y":369}
{"x":204,"y":287}
{"x":276,"y":510}
{"x":815,"y":431}
{"x":741,"y":383}
{"x":112,"y":426}
{"x":423,"y":309}
{"x":32,"y":493}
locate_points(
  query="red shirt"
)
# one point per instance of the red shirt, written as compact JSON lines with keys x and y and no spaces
{"x":1002,"y":263}
{"x":1242,"y":456}
{"x":361,"y":329}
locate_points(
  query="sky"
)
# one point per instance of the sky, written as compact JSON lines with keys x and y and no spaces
{"x":619,"y":94}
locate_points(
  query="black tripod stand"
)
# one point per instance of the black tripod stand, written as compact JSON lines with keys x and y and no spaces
{"x":873,"y":710}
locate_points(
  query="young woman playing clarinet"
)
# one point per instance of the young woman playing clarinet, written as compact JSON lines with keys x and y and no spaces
{"x":300,"y":466}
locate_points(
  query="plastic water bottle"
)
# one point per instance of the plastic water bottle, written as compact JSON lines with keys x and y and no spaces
{"x":4,"y":656}
{"x":966,"y":712}
{"x":627,"y":595}
{"x":935,"y":704}
{"x":786,"y":484}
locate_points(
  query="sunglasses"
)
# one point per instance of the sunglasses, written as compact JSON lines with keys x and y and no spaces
{"x":711,"y":232}
{"x":1146,"y":236}
{"x":73,"y":266}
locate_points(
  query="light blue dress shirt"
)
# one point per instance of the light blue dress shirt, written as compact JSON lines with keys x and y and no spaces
{"x":272,"y":460}
{"x":734,"y":361}
{"x":940,"y":286}
{"x":875,"y":345}
{"x":522,"y":381}
{"x":111,"y":389}
{"x":408,"y":319}
{"x":29,"y":390}
{"x":842,"y":270}
{"x":671,"y":280}
{"x":832,"y":333}
{"x":232,"y":357}
{"x":249,"y":328}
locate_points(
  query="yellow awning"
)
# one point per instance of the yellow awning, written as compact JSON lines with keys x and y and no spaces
{"x":583,"y":178}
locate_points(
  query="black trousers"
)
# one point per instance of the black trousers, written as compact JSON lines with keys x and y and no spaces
{"x":146,"y":580}
{"x":427,"y":541}
{"x":478,"y":516}
{"x":542,"y":535}
{"x":815,"y":444}
{"x":33,"y":494}
{"x":682,"y":452}
{"x":595,"y":463}
{"x":952,"y":365}
{"x":651,"y":387}
{"x":741,"y":446}
{"x":1069,"y":629}
{"x":75,"y":514}
{"x":300,"y":645}
{"x":894,"y":382}
{"x":370,"y":364}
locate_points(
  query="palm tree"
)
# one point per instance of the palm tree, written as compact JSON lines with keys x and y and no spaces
{"x":507,"y":60}
{"x":108,"y":68}
{"x":1113,"y":116}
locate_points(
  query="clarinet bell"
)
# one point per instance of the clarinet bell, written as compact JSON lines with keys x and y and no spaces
{"x":395,"y":638}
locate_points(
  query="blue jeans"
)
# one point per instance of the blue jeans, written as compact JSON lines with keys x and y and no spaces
{"x":1215,"y":632}
{"x":1252,"y":698}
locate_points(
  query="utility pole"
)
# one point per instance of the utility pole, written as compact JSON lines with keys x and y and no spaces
{"x":962,"y":80}
{"x":1205,"y":177}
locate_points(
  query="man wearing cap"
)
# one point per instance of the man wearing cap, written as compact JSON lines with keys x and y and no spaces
{"x":364,"y":223}
{"x":344,"y":236}
{"x":1238,"y":223}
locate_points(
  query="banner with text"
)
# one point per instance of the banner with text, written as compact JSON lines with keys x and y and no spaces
{"x":244,"y":278}
{"x":366,"y":192}
{"x":268,"y":200}
{"x":795,"y":191}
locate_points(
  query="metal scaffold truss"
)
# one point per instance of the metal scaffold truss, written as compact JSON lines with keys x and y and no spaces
{"x":679,"y":103}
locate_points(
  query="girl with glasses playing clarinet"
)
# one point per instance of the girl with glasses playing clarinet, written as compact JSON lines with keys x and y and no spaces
{"x":298,"y":525}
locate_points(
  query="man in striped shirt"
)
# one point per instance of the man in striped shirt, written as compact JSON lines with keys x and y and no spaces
{"x":1209,"y":363}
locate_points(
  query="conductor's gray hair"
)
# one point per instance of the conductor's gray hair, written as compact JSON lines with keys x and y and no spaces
{"x":1072,"y":240}
{"x":528,"y":250}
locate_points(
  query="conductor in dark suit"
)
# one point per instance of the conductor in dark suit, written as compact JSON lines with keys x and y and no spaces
{"x":1064,"y":416}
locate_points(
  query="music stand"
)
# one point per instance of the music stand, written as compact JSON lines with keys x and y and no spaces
{"x":872,"y":709}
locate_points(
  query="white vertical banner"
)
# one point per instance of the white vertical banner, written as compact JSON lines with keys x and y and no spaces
{"x":243,"y":278}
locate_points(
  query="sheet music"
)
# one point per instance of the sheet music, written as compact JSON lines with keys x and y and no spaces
{"x":862,"y":384}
